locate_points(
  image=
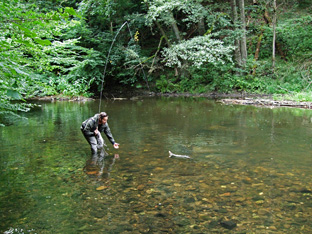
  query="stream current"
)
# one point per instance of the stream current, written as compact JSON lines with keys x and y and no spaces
{"x":249,"y":172}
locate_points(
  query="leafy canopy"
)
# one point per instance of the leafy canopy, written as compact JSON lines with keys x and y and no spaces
{"x":24,"y":32}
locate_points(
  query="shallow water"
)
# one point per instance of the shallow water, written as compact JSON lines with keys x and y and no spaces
{"x":249,"y":166}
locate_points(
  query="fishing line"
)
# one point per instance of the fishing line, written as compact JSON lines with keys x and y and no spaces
{"x":103,"y":76}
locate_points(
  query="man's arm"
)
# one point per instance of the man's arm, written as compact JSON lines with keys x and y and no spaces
{"x":109,"y":135}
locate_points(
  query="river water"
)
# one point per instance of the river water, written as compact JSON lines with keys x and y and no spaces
{"x":249,"y":172}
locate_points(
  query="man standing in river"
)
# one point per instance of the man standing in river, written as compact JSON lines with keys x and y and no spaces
{"x":92,"y":128}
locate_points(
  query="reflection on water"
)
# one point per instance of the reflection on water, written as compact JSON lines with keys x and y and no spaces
{"x":95,"y":167}
{"x":249,"y":170}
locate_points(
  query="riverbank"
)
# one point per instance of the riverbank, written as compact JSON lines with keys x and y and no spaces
{"x":263,"y":100}
{"x":267,"y":103}
{"x":61,"y":98}
{"x":134,"y":95}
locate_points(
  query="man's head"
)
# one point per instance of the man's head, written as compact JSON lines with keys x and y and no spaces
{"x":103,"y":118}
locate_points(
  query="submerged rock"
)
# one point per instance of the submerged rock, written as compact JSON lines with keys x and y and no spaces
{"x":228,"y":224}
{"x":305,"y":191}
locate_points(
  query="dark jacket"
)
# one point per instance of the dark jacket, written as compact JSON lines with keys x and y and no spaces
{"x":88,"y":127}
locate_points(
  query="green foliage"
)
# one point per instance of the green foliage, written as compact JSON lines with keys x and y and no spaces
{"x":71,"y":69}
{"x":97,"y":12}
{"x":198,"y":50}
{"x":295,"y":34}
{"x":11,"y":101}
{"x":304,"y":4}
{"x":126,"y":64}
{"x":163,"y":11}
{"x":24,"y":33}
{"x":293,"y":38}
{"x":166,"y":85}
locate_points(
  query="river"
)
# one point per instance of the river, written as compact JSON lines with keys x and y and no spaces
{"x":249,"y":171}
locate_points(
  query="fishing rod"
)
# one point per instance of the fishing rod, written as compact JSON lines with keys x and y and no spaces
{"x":107,"y":62}
{"x":109,"y":51}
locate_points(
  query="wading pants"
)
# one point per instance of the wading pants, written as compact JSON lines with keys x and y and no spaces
{"x":96,"y":142}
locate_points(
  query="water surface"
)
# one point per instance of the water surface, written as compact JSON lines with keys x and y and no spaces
{"x":250,"y":167}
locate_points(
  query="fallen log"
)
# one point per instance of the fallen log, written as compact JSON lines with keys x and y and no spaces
{"x":266,"y":102}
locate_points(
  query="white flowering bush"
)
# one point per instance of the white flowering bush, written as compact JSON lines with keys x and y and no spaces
{"x":198,"y":51}
{"x":161,"y":10}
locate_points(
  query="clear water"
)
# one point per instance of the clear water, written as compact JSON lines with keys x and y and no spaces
{"x":250,"y":166}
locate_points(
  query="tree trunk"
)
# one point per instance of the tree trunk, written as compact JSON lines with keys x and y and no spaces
{"x":175,"y":28}
{"x":257,"y":52}
{"x":178,"y":36}
{"x":268,"y":21}
{"x":201,"y":27}
{"x":163,"y":33}
{"x":274,"y":34}
{"x":243,"y":27}
{"x":111,"y":27}
{"x":167,"y":41}
{"x":237,"y":52}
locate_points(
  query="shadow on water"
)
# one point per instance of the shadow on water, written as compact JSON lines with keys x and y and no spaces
{"x":249,"y":172}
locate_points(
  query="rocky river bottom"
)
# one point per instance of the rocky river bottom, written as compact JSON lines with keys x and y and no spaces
{"x":249,"y":169}
{"x":210,"y":197}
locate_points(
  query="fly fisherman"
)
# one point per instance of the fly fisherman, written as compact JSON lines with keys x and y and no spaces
{"x":92,"y":128}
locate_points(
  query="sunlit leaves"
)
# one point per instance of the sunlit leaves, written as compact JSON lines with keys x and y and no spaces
{"x":13,"y":94}
{"x":162,"y":10}
{"x":25,"y":31}
{"x":42,"y":42}
{"x":98,"y":10}
{"x":70,"y":11}
{"x":199,"y":50}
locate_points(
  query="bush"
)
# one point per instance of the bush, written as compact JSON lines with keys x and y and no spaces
{"x":295,"y":35}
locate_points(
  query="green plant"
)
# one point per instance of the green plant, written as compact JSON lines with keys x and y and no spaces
{"x":164,"y":85}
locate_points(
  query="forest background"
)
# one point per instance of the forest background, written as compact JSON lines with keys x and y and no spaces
{"x":77,"y":47}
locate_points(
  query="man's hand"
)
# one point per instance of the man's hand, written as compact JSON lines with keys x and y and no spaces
{"x":116,"y":145}
{"x":96,"y":131}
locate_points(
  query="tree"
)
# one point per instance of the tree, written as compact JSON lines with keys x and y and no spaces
{"x":243,"y":41}
{"x":162,"y":12}
{"x":274,"y":34}
{"x":187,"y":49}
{"x":165,"y":11}
{"x":237,"y":51}
{"x":24,"y":32}
{"x":239,"y":22}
